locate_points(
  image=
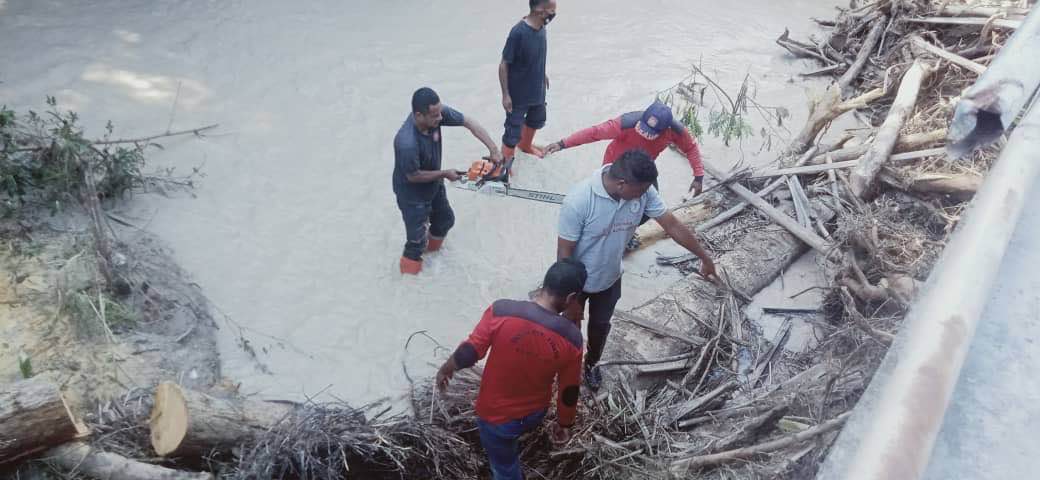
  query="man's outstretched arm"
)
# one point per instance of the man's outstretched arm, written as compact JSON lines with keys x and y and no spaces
{"x":607,"y":130}
{"x":683,"y":236}
{"x":481,"y":134}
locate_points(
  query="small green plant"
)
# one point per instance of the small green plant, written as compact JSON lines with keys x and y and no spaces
{"x":727,"y":116}
{"x":97,"y":314}
{"x":25,"y":365}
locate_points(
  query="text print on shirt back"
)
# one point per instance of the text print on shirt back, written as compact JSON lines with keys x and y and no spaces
{"x":527,"y":342}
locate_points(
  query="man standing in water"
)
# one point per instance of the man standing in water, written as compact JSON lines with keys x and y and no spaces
{"x":598,"y":217}
{"x":418,"y":178}
{"x":651,"y":131}
{"x":524,"y":80}
{"x":532,"y":347}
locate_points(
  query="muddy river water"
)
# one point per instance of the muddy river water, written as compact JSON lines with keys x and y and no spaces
{"x":294,"y":233}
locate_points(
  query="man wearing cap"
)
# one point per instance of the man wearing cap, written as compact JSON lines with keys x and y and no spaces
{"x":651,"y":131}
{"x":418,"y":179}
{"x":521,"y":74}
{"x":532,"y":348}
{"x":597,"y":218}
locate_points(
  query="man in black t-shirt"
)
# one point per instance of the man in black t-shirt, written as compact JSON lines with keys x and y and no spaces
{"x":523,"y":79}
{"x":419,"y":179}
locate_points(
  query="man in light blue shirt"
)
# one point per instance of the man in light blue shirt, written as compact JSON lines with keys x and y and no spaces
{"x":598,"y":217}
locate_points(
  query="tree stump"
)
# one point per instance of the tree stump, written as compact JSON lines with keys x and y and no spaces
{"x":33,"y":417}
{"x":186,"y":423}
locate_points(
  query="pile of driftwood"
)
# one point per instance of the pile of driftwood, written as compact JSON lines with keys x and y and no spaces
{"x":693,"y":386}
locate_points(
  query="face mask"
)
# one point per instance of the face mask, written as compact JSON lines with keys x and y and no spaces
{"x":549,"y":18}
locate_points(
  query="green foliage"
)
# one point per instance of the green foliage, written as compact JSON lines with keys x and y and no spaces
{"x":25,"y":365}
{"x":729,"y":126}
{"x":93,"y":313}
{"x":46,"y":158}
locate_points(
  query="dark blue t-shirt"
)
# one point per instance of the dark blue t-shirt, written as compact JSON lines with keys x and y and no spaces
{"x":525,"y":52}
{"x":414,"y":151}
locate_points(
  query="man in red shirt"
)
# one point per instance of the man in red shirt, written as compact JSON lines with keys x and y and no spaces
{"x":651,"y":130}
{"x":532,"y":347}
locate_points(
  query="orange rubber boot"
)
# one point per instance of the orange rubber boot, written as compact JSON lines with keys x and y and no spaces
{"x":527,"y":145}
{"x":434,"y":244}
{"x":410,"y":267}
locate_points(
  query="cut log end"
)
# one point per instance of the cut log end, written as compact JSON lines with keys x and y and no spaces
{"x":34,"y":416}
{"x":169,"y":419}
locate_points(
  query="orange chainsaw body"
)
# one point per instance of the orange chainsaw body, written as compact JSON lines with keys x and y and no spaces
{"x":481,"y":169}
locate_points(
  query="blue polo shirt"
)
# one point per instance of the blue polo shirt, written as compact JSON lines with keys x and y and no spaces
{"x":602,"y":227}
{"x":525,"y":53}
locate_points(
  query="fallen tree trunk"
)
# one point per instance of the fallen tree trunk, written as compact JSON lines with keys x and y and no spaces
{"x":825,"y":109}
{"x":651,"y":232}
{"x":862,"y":177}
{"x":34,"y":417}
{"x":81,"y":458}
{"x":782,"y":219}
{"x":186,"y":423}
{"x":905,"y":143}
{"x":682,"y":466}
{"x":864,"y":53}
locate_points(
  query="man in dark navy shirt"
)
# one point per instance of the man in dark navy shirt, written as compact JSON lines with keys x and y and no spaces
{"x":523,"y":79}
{"x":419,"y":179}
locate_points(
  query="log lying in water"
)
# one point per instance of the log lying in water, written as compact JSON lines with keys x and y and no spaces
{"x":186,"y":423}
{"x":34,"y":417}
{"x":749,"y":267}
{"x":650,"y":232}
{"x":82,"y":459}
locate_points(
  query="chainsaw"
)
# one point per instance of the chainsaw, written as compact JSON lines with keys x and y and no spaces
{"x":486,"y":176}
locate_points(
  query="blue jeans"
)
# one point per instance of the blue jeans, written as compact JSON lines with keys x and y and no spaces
{"x":502,"y":443}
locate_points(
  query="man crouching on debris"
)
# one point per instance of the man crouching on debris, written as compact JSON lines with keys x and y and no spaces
{"x":598,"y":217}
{"x":531,"y":346}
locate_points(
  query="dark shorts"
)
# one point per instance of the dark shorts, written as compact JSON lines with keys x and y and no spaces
{"x":425,"y":218}
{"x":532,"y":115}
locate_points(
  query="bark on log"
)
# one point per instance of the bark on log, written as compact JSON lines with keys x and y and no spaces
{"x":186,"y":423}
{"x":862,"y":177}
{"x":948,"y":56}
{"x":682,"y":466}
{"x":81,"y":458}
{"x":690,"y":216}
{"x":804,"y":234}
{"x":906,"y":143}
{"x":34,"y":417}
{"x":864,"y":53}
{"x":825,"y":109}
{"x":754,"y":262}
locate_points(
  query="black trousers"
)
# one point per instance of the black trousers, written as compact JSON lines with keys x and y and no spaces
{"x":601,"y":310}
{"x":425,"y":218}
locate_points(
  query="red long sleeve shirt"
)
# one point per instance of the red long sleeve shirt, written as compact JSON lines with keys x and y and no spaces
{"x":622,"y":130}
{"x":531,"y":348}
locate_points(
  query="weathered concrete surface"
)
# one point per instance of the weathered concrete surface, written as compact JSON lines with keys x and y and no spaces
{"x":990,"y":429}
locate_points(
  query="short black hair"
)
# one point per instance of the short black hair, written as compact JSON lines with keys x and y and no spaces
{"x":565,"y":277}
{"x":535,"y":3}
{"x":423,"y":99}
{"x":634,"y":166}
